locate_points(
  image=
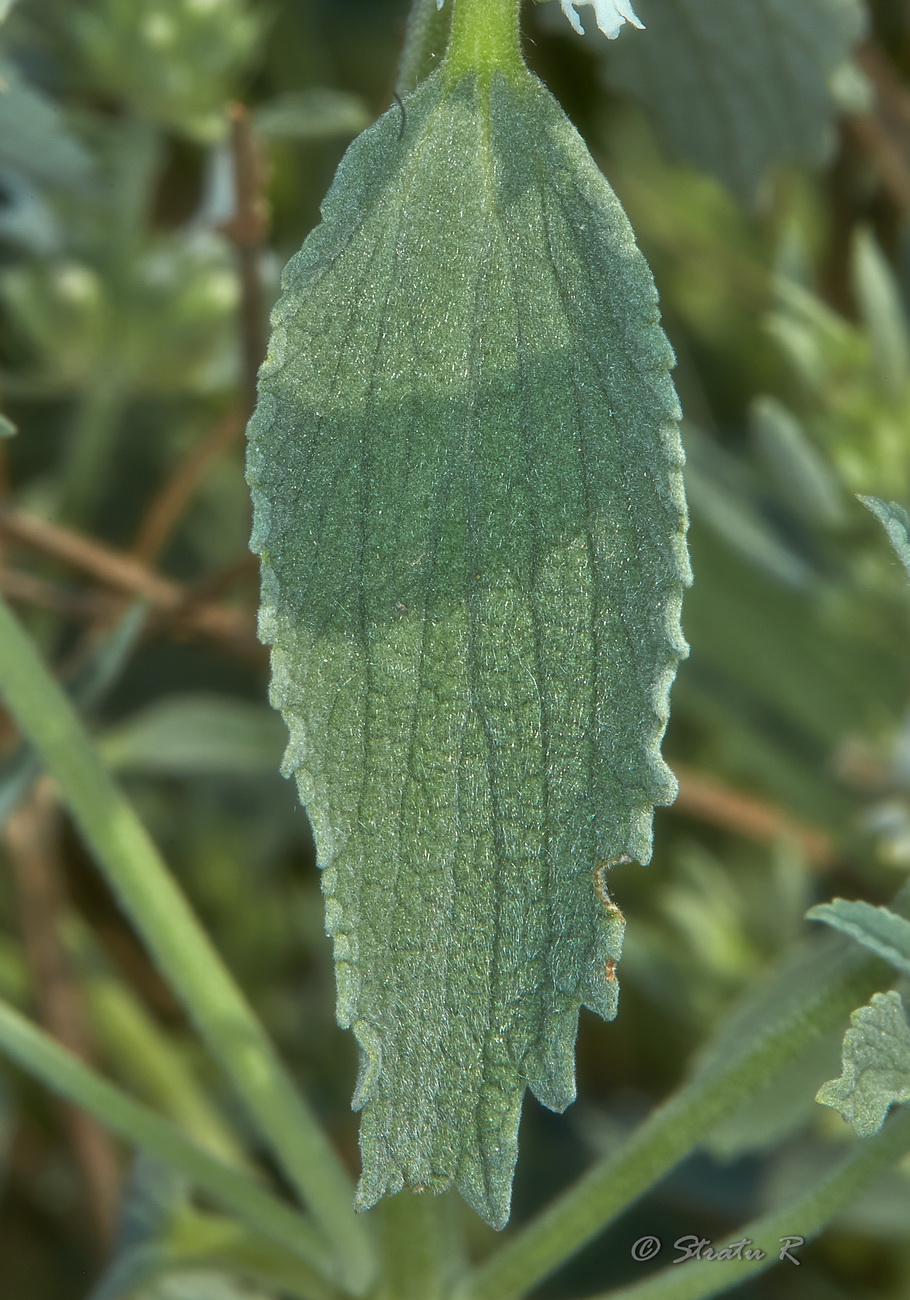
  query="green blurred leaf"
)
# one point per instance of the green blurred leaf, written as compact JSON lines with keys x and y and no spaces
{"x":721,"y":493}
{"x":882,"y":312}
{"x":876,"y":1068}
{"x":466,"y":475}
{"x":877,"y":928}
{"x":803,"y":477}
{"x":173,"y":61}
{"x":780,"y":1107}
{"x":186,"y":735}
{"x":737,"y":86}
{"x":200,"y":1284}
{"x":896,"y":522}
{"x":153,"y":1198}
{"x":27,"y":218}
{"x":315,"y":114}
{"x":34,"y":139}
{"x":166,"y":1250}
{"x":95,"y":677}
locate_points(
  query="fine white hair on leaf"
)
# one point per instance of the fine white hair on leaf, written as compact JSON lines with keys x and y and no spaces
{"x":610,"y":15}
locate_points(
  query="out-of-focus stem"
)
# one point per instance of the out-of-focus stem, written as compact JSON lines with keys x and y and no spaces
{"x":424,"y":43}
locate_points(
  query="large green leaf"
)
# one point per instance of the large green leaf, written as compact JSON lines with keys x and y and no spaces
{"x":735,"y":86}
{"x":466,"y":473}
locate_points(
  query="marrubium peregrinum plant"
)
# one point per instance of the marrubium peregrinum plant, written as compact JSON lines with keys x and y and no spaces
{"x":467,"y":481}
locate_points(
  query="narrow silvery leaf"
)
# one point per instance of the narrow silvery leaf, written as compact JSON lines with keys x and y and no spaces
{"x":877,"y":928}
{"x":876,"y":1068}
{"x":466,"y":473}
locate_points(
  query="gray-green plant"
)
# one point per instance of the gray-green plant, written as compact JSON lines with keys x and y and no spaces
{"x":876,"y":1051}
{"x":466,"y":472}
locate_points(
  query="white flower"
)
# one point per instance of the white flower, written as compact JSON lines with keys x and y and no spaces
{"x":610,"y":15}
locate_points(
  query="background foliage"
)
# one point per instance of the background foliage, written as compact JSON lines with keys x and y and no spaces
{"x":144,"y":220}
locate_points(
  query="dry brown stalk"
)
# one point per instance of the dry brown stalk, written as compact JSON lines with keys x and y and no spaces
{"x":711,"y":801}
{"x":233,"y":628}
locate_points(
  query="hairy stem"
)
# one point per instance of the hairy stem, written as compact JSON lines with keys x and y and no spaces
{"x":484,"y":39}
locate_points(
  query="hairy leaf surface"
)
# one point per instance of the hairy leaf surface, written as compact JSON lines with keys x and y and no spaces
{"x":876,"y":1071}
{"x":736,"y":86}
{"x":466,"y":473}
{"x":896,"y":522}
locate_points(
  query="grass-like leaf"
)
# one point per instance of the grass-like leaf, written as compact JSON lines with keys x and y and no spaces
{"x":181,"y":947}
{"x":876,"y":1066}
{"x":790,"y":1224}
{"x":38,"y":1053}
{"x":810,"y":991}
{"x":466,"y":472}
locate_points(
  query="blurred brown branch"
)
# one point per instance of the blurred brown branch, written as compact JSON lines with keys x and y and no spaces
{"x":711,"y":801}
{"x":883,"y":134}
{"x":176,"y":604}
{"x":169,"y":505}
{"x":71,"y":602}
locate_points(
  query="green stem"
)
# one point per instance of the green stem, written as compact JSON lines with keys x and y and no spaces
{"x":805,"y":1216}
{"x":181,"y":947}
{"x":814,"y":992}
{"x":484,"y":39}
{"x":37,"y":1053}
{"x":204,"y":1239}
{"x":424,"y":43}
{"x":146,"y":1058}
{"x":414,"y":1253}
